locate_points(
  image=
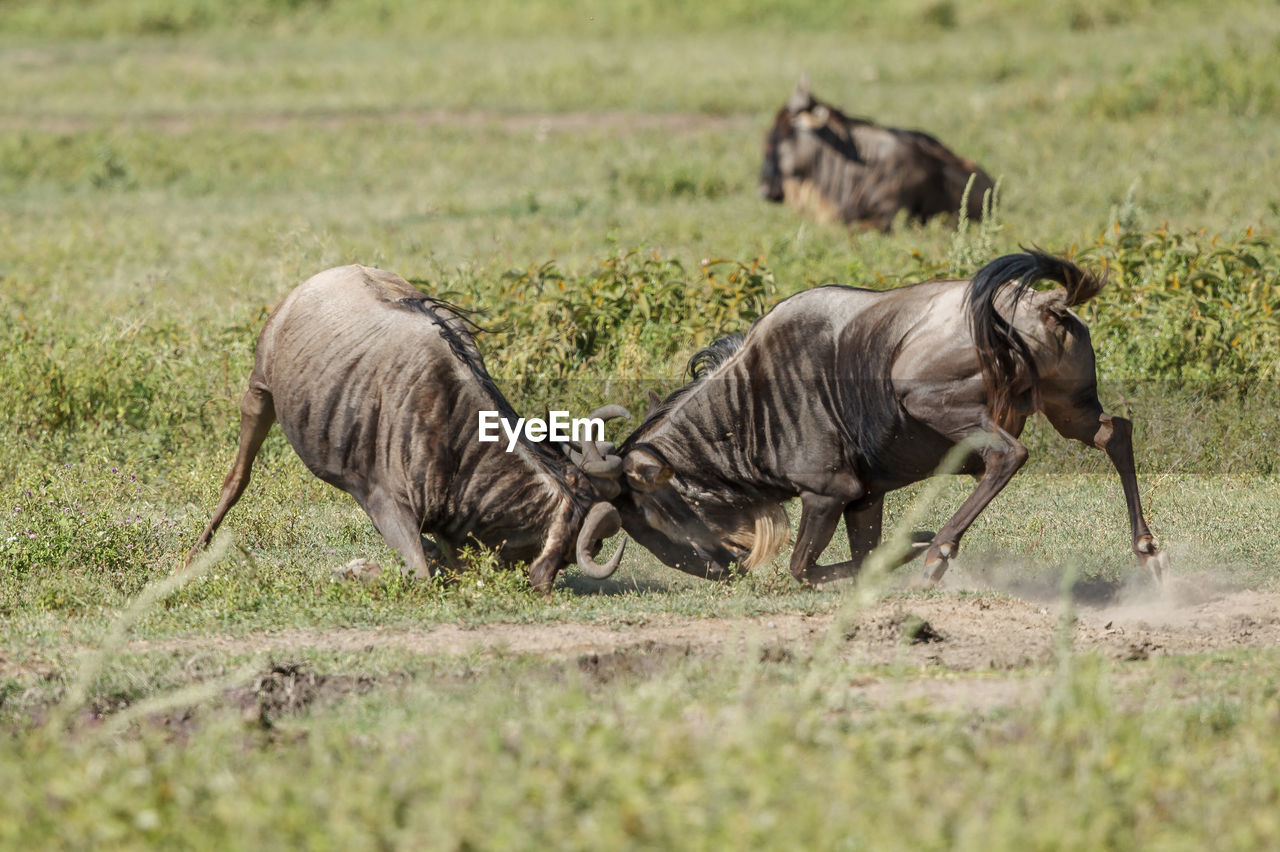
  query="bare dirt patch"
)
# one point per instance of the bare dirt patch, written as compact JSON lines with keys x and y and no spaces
{"x":636,"y":661}
{"x":962,"y":632}
{"x":974,"y":651}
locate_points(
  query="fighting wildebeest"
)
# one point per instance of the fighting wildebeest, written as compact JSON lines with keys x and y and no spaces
{"x":816,"y":158}
{"x":839,"y":395}
{"x":379,"y":390}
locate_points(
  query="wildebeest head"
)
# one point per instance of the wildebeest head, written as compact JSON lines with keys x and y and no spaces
{"x":677,"y":500}
{"x":692,"y":527}
{"x":791,"y":147}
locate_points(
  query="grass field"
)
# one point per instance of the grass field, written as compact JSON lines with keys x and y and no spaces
{"x":169,"y":171}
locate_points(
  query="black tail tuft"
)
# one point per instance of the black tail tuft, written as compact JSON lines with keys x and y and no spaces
{"x":1001,"y":349}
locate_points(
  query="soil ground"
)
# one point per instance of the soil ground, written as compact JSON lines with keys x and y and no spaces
{"x":1013,"y":639}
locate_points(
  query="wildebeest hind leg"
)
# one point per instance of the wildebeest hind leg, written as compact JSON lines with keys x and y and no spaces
{"x":1002,"y":455}
{"x":257,"y":414}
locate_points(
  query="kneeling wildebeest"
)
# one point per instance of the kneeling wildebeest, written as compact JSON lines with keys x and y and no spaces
{"x":839,"y":395}
{"x":817,"y":158}
{"x":379,"y":390}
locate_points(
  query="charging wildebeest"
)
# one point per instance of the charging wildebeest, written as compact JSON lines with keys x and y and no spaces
{"x":839,"y":395}
{"x":852,"y":169}
{"x":379,"y":390}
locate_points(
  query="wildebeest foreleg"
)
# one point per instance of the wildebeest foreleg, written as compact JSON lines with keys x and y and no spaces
{"x":1002,"y":455}
{"x":257,"y":414}
{"x":1114,"y":436}
{"x":400,"y":527}
{"x":864,"y":521}
{"x":819,"y":516}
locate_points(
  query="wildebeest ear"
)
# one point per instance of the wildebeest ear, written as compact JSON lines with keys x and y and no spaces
{"x":800,"y":97}
{"x":654,"y":402}
{"x":645,"y":472}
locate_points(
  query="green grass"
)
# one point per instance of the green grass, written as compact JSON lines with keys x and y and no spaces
{"x":675,"y":751}
{"x":169,"y":171}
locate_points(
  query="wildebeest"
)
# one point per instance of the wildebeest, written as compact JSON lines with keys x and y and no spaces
{"x":816,"y":158}
{"x":378,"y":388}
{"x":839,"y":395}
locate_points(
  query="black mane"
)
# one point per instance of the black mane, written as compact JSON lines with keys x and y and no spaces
{"x":705,"y":360}
{"x":458,"y":330}
{"x":701,"y":364}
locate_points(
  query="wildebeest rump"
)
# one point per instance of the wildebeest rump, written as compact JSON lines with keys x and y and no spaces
{"x":818,"y":159}
{"x":839,"y":395}
{"x":378,"y":388}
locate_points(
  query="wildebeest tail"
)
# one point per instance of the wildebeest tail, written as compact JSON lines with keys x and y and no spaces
{"x":1001,"y":349}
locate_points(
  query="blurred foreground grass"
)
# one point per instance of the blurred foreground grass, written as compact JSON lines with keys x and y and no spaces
{"x":661,"y":748}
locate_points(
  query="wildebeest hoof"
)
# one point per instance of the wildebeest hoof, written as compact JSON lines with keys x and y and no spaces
{"x":1156,"y":564}
{"x":937,"y":560}
{"x":358,"y":569}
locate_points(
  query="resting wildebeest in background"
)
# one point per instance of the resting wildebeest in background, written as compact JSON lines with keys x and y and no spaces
{"x":817,"y":158}
{"x":839,"y":395}
{"x":378,"y":389}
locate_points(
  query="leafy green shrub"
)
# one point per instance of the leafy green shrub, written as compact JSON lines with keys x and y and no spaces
{"x":1186,"y":307}
{"x":557,"y":324}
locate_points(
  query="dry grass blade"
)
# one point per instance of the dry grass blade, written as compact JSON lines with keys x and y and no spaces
{"x":95,"y":661}
{"x":188,"y":696}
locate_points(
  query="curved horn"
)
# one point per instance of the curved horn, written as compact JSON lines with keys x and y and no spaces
{"x":601,"y":522}
{"x":609,"y":468}
{"x":603,"y":447}
{"x":595,"y":464}
{"x":609,"y":412}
